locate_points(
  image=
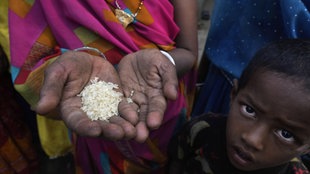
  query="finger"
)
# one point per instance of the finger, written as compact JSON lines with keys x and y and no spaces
{"x":142,"y":132}
{"x":130,"y":106}
{"x":129,"y":111}
{"x":141,"y":127}
{"x":77,"y":120}
{"x":170,"y":82}
{"x":128,"y":129}
{"x":156,"y":109}
{"x":139,"y":98}
{"x":111,"y":131}
{"x":51,"y":92}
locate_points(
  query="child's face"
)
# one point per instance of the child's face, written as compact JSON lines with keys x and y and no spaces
{"x":268,"y":123}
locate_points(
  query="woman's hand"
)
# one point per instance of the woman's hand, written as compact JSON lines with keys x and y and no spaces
{"x":149,"y":79}
{"x":64,"y":79}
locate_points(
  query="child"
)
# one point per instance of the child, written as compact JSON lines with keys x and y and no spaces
{"x":267,"y":128}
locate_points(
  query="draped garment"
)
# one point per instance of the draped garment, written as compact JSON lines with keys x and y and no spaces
{"x":38,"y":28}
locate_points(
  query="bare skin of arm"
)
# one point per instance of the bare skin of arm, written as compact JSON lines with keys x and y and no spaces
{"x":153,"y":78}
{"x":186,"y":52}
{"x":157,"y":82}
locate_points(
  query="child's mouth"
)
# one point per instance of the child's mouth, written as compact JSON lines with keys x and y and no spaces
{"x":241,"y":157}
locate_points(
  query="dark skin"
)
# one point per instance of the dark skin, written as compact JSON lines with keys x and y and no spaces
{"x":154,"y":80}
{"x":268,"y":123}
{"x":150,"y":89}
{"x":63,"y":81}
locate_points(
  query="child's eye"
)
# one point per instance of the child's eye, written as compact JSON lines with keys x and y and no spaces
{"x":286,"y":135}
{"x":247,"y":110}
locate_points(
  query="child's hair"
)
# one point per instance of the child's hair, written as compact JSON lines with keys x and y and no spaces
{"x":288,"y":58}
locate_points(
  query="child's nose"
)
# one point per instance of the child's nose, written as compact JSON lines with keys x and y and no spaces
{"x":255,"y":138}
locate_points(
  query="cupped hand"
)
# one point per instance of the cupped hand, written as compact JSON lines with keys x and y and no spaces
{"x":148,"y":78}
{"x":64,"y":79}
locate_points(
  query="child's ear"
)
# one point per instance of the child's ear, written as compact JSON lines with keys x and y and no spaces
{"x":234,"y":90}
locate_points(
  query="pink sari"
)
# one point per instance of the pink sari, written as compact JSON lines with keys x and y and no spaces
{"x":37,"y":29}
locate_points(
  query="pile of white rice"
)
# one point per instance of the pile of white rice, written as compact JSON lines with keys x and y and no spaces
{"x":100,"y":100}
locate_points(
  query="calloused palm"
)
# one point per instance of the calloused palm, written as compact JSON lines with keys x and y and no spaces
{"x":152,"y":79}
{"x":64,"y":79}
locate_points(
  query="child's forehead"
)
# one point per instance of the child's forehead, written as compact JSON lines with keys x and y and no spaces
{"x":281,"y":97}
{"x":297,"y":81}
{"x":279,"y":87}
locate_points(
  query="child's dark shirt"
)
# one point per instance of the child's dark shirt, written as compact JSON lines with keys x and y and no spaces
{"x":200,"y":148}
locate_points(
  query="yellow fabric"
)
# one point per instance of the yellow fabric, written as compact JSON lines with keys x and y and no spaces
{"x":53,"y":134}
{"x":4,"y":32}
{"x":56,"y":142}
{"x":30,"y":90}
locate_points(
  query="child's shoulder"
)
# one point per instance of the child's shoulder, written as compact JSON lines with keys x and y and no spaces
{"x":208,"y":120}
{"x":204,"y":127}
{"x":297,"y":166}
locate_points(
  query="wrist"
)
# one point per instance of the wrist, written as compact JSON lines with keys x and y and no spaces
{"x":168,"y":56}
{"x":91,"y":50}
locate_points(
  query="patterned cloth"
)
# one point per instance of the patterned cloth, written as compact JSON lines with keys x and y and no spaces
{"x":202,"y":143}
{"x":17,"y":152}
{"x":38,"y":28}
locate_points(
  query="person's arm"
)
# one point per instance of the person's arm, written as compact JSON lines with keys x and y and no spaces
{"x":184,"y":147}
{"x":186,"y":53}
{"x":153,"y":78}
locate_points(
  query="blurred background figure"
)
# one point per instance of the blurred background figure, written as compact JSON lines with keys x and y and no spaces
{"x":18,"y":144}
{"x":237,"y":30}
{"x":203,"y":9}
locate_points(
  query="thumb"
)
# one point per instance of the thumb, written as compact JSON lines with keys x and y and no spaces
{"x":51,"y":92}
{"x":170,"y":83}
